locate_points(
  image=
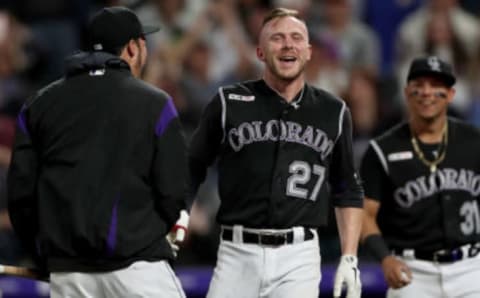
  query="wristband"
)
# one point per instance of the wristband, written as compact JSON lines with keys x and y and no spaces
{"x":377,"y":246}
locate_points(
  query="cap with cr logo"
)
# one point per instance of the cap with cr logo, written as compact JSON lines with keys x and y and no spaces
{"x":431,"y":66}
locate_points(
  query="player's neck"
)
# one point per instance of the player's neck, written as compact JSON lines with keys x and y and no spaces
{"x":428,"y":131}
{"x":286,"y":89}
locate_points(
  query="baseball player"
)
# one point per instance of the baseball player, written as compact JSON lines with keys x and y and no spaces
{"x":422,"y":187}
{"x":98,"y":172}
{"x":282,"y":147}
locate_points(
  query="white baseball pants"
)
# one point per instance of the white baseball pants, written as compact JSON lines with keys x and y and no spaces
{"x":460,"y":279}
{"x":260,"y":271}
{"x":141,"y":279}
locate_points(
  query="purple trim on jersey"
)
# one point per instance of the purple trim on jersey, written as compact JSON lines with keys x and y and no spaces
{"x":112,"y":231}
{"x":168,"y":113}
{"x":22,"y":122}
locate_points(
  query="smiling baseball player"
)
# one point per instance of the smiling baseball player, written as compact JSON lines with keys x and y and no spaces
{"x":283,"y":147}
{"x":422,"y":183}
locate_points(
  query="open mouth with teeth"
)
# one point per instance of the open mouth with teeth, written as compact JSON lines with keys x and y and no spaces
{"x":287,"y":59}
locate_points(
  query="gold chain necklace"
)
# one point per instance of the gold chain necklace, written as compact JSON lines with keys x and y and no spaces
{"x":432,"y":164}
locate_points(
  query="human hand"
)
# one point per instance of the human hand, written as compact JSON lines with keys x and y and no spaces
{"x":397,"y":274}
{"x":348,"y":273}
{"x":178,"y":232}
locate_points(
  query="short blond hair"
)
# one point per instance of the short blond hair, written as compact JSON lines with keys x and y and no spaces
{"x":281,"y":12}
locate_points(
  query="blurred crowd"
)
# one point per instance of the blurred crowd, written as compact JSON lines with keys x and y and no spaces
{"x":361,"y":49}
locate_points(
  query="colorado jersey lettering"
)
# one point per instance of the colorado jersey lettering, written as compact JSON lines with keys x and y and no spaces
{"x":279,"y":130}
{"x":444,"y":179}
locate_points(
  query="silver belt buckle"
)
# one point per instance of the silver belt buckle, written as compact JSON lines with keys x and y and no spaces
{"x":261,"y":235}
{"x":438,"y":253}
{"x":272,"y":234}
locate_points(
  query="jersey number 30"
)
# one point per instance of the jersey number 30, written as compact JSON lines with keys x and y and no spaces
{"x":471,"y":214}
{"x":301,"y":173}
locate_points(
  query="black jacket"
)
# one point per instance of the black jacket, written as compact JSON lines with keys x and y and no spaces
{"x":98,"y":173}
{"x":280,"y":164}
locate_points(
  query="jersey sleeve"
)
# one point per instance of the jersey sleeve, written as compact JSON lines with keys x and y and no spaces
{"x":344,"y":181}
{"x":205,"y":143}
{"x":169,"y":168}
{"x":373,"y":174}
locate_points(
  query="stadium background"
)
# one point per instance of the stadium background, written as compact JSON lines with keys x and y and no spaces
{"x":361,"y":49}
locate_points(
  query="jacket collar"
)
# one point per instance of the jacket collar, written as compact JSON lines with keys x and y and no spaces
{"x":87,"y":61}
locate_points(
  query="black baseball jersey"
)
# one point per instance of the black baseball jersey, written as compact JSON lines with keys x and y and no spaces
{"x":420,"y":209}
{"x":278,"y":162}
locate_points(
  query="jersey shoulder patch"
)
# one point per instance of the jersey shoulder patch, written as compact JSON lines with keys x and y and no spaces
{"x":399,"y":156}
{"x":393,"y":145}
{"x":240,"y":97}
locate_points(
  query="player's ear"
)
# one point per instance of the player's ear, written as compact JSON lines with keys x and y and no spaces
{"x":127,"y":51}
{"x":260,"y":54}
{"x":132,"y":48}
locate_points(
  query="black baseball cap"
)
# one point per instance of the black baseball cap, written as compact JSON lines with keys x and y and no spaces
{"x":431,"y":66}
{"x":112,"y":27}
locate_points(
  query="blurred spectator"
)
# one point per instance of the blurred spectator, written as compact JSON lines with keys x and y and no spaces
{"x":230,"y":51}
{"x":255,"y":8}
{"x":14,"y":60}
{"x":371,"y":114}
{"x":473,"y":115}
{"x":10,"y":250}
{"x":218,"y":23}
{"x":252,"y":13}
{"x":196,"y":84}
{"x":443,"y":42}
{"x":362,"y":99}
{"x":324,"y":70}
{"x":358,"y":44}
{"x":442,"y":28}
{"x":172,"y":16}
{"x":56,"y":27}
{"x":412,"y":35}
{"x":384,"y":17}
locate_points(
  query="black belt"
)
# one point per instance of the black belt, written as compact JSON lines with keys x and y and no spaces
{"x":442,"y":256}
{"x":267,"y":238}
